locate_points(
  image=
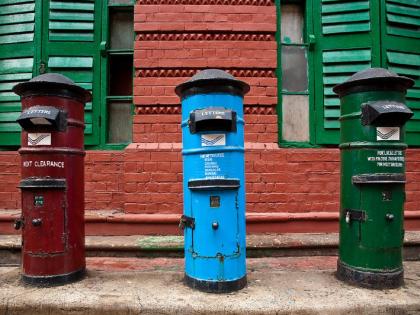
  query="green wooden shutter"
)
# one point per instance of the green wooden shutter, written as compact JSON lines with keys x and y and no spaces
{"x":401,"y":52}
{"x":17,"y":35}
{"x":345,"y":33}
{"x":72,"y":47}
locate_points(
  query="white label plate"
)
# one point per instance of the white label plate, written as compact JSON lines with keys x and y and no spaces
{"x":35,"y":139}
{"x":213,"y":140}
{"x":387,"y":133}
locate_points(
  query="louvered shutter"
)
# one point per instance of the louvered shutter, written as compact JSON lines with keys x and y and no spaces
{"x":73,"y":49}
{"x":17,"y":50}
{"x":345,"y":33}
{"x":401,"y":53}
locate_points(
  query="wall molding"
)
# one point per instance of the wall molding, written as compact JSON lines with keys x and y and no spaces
{"x":207,"y":2}
{"x":192,"y":36}
{"x":176,"y":110}
{"x":174,"y":72}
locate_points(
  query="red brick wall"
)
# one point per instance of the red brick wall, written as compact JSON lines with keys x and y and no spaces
{"x":9,"y":180}
{"x":146,"y":178}
{"x":175,"y":39}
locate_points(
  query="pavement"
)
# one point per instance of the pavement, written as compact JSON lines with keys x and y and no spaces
{"x":276,"y":285}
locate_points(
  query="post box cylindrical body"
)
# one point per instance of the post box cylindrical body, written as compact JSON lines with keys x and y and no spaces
{"x":52,"y":180}
{"x":214,"y":181}
{"x":373,"y":114}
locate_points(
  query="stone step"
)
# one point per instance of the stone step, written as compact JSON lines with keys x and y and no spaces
{"x":258,"y":245}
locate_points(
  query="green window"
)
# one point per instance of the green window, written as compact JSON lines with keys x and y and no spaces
{"x":346,"y":36}
{"x":64,"y":36}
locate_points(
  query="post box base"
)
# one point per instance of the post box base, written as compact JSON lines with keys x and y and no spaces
{"x":367,"y":279}
{"x":215,"y":286}
{"x":49,"y":281}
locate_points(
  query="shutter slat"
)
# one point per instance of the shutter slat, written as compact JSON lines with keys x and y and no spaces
{"x":76,"y":26}
{"x":414,"y":3}
{"x":403,"y":18}
{"x":6,"y":2}
{"x":17,"y":9}
{"x":402,"y":32}
{"x":16,"y":38}
{"x":402,"y":10}
{"x":332,"y":113}
{"x":346,"y":28}
{"x":328,"y":102}
{"x":339,"y":56}
{"x":72,"y":6}
{"x":64,"y":16}
{"x":348,"y":18}
{"x":345,"y":17}
{"x":17,"y":22}
{"x":17,"y":18}
{"x":8,"y":127}
{"x":345,"y":7}
{"x":331,"y":124}
{"x":70,"y":62}
{"x":71,"y":21}
{"x":18,"y":28}
{"x":403,"y":58}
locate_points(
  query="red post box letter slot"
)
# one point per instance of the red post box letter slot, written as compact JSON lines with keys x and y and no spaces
{"x":52,"y":184}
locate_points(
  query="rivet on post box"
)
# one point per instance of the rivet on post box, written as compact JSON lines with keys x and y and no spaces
{"x":373,"y":115}
{"x":52,"y":184}
{"x":214,"y":181}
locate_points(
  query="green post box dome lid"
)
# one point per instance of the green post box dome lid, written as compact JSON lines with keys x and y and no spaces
{"x":211,"y":80}
{"x":51,"y":83}
{"x":373,"y":76}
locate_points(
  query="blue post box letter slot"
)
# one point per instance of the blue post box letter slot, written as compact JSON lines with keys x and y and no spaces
{"x":214,"y":181}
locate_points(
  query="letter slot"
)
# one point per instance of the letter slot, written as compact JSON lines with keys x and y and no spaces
{"x":385,"y":113}
{"x":43,"y":117}
{"x":212,"y":119}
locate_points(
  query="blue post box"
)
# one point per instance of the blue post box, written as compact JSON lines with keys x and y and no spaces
{"x":214,"y":181}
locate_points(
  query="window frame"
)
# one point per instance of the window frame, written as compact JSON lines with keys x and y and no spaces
{"x":108,"y":6}
{"x":308,"y":41}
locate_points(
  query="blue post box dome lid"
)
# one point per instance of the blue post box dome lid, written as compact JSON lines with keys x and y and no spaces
{"x":52,"y":84}
{"x":373,"y":78}
{"x":212,"y":80}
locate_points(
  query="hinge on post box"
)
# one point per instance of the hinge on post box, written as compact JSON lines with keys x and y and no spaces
{"x":186,"y":222}
{"x":355,"y":215}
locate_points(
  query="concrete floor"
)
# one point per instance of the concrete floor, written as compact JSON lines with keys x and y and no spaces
{"x":277,"y":285}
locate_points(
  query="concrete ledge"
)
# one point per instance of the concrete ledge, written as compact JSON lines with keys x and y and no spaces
{"x":273,"y":288}
{"x":258,"y":245}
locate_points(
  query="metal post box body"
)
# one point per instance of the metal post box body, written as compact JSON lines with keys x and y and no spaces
{"x":372,"y":148}
{"x":52,"y":180}
{"x":214,"y":181}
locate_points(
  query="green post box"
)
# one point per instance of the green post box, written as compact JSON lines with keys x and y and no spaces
{"x":373,"y":115}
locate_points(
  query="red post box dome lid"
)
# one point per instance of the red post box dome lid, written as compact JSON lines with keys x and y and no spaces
{"x":52,"y":84}
{"x":373,"y":77}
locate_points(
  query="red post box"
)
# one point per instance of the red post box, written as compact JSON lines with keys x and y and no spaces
{"x":52,"y":184}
